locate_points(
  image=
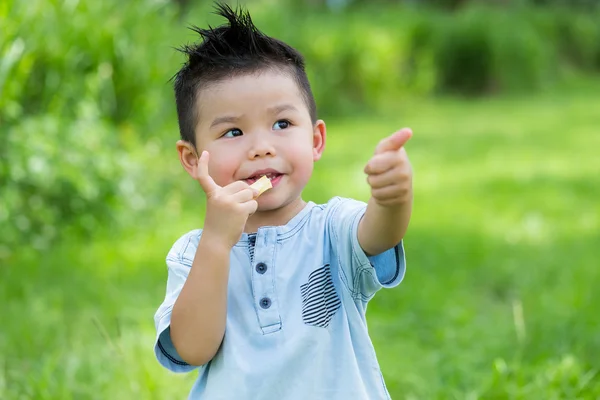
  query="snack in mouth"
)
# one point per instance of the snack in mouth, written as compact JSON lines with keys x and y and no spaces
{"x":262,"y":185}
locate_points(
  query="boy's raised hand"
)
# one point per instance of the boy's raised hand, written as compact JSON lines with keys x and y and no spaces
{"x":227,"y":207}
{"x":389,"y":172}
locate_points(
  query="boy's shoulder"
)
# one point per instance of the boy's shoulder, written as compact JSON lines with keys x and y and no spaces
{"x":337,"y":206}
{"x":339,"y":201}
{"x":184,"y":248}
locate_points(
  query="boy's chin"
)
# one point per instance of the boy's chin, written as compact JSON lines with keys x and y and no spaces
{"x":271,"y":202}
{"x":267,"y":204}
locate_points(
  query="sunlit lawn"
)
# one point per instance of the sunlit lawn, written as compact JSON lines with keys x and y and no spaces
{"x":500,"y":297}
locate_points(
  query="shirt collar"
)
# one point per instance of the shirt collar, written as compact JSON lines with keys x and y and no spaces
{"x":283,"y":230}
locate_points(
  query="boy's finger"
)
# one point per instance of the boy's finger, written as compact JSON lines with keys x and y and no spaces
{"x":388,"y":178}
{"x":206,"y":182}
{"x":235,"y":187}
{"x":394,"y":141}
{"x":380,"y":163}
{"x":250,"y":206}
{"x":243,"y":195}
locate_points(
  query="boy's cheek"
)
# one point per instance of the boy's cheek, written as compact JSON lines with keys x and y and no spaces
{"x":222,"y":172}
{"x":305,"y":162}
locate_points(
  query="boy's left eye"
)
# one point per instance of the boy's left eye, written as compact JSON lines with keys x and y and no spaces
{"x":281,"y":124}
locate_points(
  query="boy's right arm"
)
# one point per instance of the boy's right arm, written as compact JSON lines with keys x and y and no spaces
{"x":199,"y":314}
{"x":200,"y":311}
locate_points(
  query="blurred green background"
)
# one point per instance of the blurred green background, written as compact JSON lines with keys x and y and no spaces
{"x":501,"y":295}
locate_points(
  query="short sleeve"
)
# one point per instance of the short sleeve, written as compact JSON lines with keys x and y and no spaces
{"x":361,"y":274}
{"x":179,"y":261}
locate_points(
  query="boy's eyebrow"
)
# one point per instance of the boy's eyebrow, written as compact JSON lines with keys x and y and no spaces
{"x":282,"y":107}
{"x":271,"y":110}
{"x":224,"y":120}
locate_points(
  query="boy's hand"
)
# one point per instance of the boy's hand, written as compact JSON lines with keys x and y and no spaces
{"x":227,"y":208}
{"x":389,"y":171}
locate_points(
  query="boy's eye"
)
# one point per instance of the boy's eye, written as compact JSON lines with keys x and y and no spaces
{"x":281,"y":124}
{"x":235,"y":132}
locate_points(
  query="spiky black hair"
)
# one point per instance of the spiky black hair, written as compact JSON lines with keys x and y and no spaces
{"x":230,"y":50}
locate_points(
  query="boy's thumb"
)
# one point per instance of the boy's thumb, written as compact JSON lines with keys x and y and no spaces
{"x":394,"y":142}
{"x":206,"y":181}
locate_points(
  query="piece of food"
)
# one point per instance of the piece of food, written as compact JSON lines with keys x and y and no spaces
{"x":262,"y":185}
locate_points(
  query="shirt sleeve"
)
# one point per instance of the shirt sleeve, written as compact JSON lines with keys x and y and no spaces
{"x":362,"y":275}
{"x":179,"y":262}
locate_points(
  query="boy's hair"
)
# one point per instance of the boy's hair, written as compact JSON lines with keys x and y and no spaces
{"x":228,"y":51}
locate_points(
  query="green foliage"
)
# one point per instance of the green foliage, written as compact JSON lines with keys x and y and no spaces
{"x":362,"y":56}
{"x":499,"y":300}
{"x":464,"y":54}
{"x":566,"y":377}
{"x":579,"y":40}
{"x":82,"y":84}
{"x":86,"y":103}
{"x":506,"y":216}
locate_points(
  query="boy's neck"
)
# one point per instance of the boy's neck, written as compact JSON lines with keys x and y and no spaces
{"x":277,"y":217}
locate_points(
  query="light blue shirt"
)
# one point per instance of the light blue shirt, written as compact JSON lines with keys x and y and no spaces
{"x":297,"y":297}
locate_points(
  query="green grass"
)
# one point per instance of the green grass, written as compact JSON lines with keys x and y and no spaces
{"x":499,"y":300}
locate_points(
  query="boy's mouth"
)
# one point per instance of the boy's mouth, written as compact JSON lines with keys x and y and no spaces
{"x":274,"y":175}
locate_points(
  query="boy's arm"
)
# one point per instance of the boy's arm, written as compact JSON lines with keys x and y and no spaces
{"x":199,"y":314}
{"x":382,"y":228}
{"x":389,"y":209}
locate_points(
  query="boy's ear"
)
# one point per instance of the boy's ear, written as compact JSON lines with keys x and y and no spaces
{"x":319,"y":137}
{"x":187,"y":156}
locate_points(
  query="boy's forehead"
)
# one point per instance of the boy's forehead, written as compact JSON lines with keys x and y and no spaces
{"x":249,"y":93}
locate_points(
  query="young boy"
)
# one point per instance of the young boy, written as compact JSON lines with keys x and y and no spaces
{"x":268,"y":300}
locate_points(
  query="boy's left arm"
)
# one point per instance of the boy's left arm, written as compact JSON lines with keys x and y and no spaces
{"x":389,"y":174}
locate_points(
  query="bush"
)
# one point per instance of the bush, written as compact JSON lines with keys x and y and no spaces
{"x":85,"y":102}
{"x":523,"y":59}
{"x":464,"y":58}
{"x":579,"y":40}
{"x":362,"y":56}
{"x":82,"y":85}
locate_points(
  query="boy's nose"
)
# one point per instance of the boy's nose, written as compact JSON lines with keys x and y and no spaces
{"x":261,"y":148}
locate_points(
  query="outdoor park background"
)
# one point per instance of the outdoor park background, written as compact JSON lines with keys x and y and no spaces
{"x":501,"y":296}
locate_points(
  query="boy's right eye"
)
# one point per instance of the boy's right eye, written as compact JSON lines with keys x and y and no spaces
{"x":235,"y":132}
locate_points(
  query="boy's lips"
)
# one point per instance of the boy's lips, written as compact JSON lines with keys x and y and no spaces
{"x":273,"y":175}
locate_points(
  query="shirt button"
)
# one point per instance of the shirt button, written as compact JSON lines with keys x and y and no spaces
{"x":265,"y":302}
{"x":261,"y":268}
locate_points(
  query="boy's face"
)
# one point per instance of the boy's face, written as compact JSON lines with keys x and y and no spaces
{"x":259,"y":124}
